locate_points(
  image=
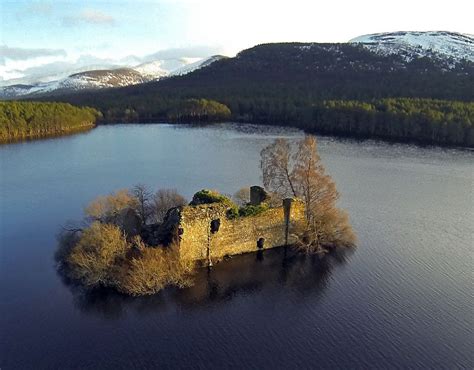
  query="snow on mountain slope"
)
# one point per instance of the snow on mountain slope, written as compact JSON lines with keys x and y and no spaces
{"x":106,"y":78}
{"x":155,"y":70}
{"x":97,"y":79}
{"x":188,"y":68}
{"x":448,"y":48}
{"x":102,"y":79}
{"x":13,"y":91}
{"x":412,"y":45}
{"x":151,"y":70}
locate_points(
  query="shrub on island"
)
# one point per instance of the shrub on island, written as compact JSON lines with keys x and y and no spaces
{"x":111,"y":250}
{"x":104,"y":254}
{"x":206,"y":196}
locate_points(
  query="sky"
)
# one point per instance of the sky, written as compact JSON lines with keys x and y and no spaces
{"x":42,"y":39}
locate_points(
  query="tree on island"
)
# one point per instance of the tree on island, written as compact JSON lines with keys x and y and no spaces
{"x":120,"y":246}
{"x":164,"y":200}
{"x":143,"y":198}
{"x":298,"y":172}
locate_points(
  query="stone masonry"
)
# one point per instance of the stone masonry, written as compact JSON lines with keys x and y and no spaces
{"x":207,"y":234}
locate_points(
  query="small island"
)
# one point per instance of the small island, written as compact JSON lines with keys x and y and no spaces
{"x":138,"y":242}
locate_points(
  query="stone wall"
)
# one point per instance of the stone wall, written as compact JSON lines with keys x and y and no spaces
{"x":207,"y":234}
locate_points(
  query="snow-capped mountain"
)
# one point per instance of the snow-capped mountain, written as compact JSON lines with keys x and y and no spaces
{"x":196,"y":65}
{"x":450,"y":46}
{"x":104,"y":78}
{"x":447,"y":49}
{"x":96,"y":79}
{"x":155,"y":70}
{"x":151,"y":70}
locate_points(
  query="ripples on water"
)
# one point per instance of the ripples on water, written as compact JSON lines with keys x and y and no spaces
{"x":402,"y":299}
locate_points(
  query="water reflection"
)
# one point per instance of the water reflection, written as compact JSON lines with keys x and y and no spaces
{"x":278,"y":269}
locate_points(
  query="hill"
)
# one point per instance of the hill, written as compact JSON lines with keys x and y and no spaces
{"x":285,"y":83}
{"x":447,"y":47}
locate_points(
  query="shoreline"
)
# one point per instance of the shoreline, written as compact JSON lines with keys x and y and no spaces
{"x":357,"y":138}
{"x":86,"y":128}
{"x":51,"y":135}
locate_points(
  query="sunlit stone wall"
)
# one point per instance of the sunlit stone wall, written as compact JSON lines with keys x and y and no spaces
{"x":207,"y":234}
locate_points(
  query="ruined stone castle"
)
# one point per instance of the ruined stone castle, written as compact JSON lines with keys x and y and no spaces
{"x":206,"y":233}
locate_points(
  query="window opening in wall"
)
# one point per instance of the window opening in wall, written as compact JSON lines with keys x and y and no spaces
{"x":215,"y":224}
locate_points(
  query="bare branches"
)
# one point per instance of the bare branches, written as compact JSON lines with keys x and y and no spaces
{"x":143,"y":198}
{"x":275,"y":165}
{"x":107,"y":208}
{"x":164,"y":200}
{"x":242,"y":196}
{"x":303,"y":175}
{"x":148,"y":206}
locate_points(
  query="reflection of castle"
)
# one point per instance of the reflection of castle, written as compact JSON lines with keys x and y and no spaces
{"x":280,"y":269}
{"x":206,"y":233}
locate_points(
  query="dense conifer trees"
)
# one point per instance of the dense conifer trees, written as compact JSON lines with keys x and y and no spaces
{"x":337,"y":89}
{"x":23,"y":120}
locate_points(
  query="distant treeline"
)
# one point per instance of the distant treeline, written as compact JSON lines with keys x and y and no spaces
{"x":337,"y":89}
{"x":199,"y":110}
{"x":24,"y":120}
{"x":428,"y":121}
{"x":403,"y":119}
{"x":173,"y":110}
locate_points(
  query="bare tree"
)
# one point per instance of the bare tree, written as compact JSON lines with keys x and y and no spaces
{"x":143,"y":198}
{"x":327,"y":225}
{"x":107,"y":208}
{"x":242,"y":196}
{"x":276,"y":171}
{"x":302,"y":174}
{"x":274,"y":199}
{"x":327,"y":229}
{"x":163,"y":200}
{"x":317,"y":189}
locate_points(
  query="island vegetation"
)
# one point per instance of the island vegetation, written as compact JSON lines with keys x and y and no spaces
{"x":298,"y":172}
{"x":21,"y":120}
{"x":111,"y":247}
{"x":197,"y":110}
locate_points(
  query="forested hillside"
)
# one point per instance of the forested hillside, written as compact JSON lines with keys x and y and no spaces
{"x":24,"y":120}
{"x":288,"y":84}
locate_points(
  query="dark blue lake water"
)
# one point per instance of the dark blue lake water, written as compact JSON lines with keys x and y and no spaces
{"x":402,"y":299}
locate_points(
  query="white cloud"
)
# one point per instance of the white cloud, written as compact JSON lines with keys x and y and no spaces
{"x":190,"y":52}
{"x":175,"y":57}
{"x":171,"y":26}
{"x":7,"y":75}
{"x":26,"y":53}
{"x":49,"y":69}
{"x":89,"y":16}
